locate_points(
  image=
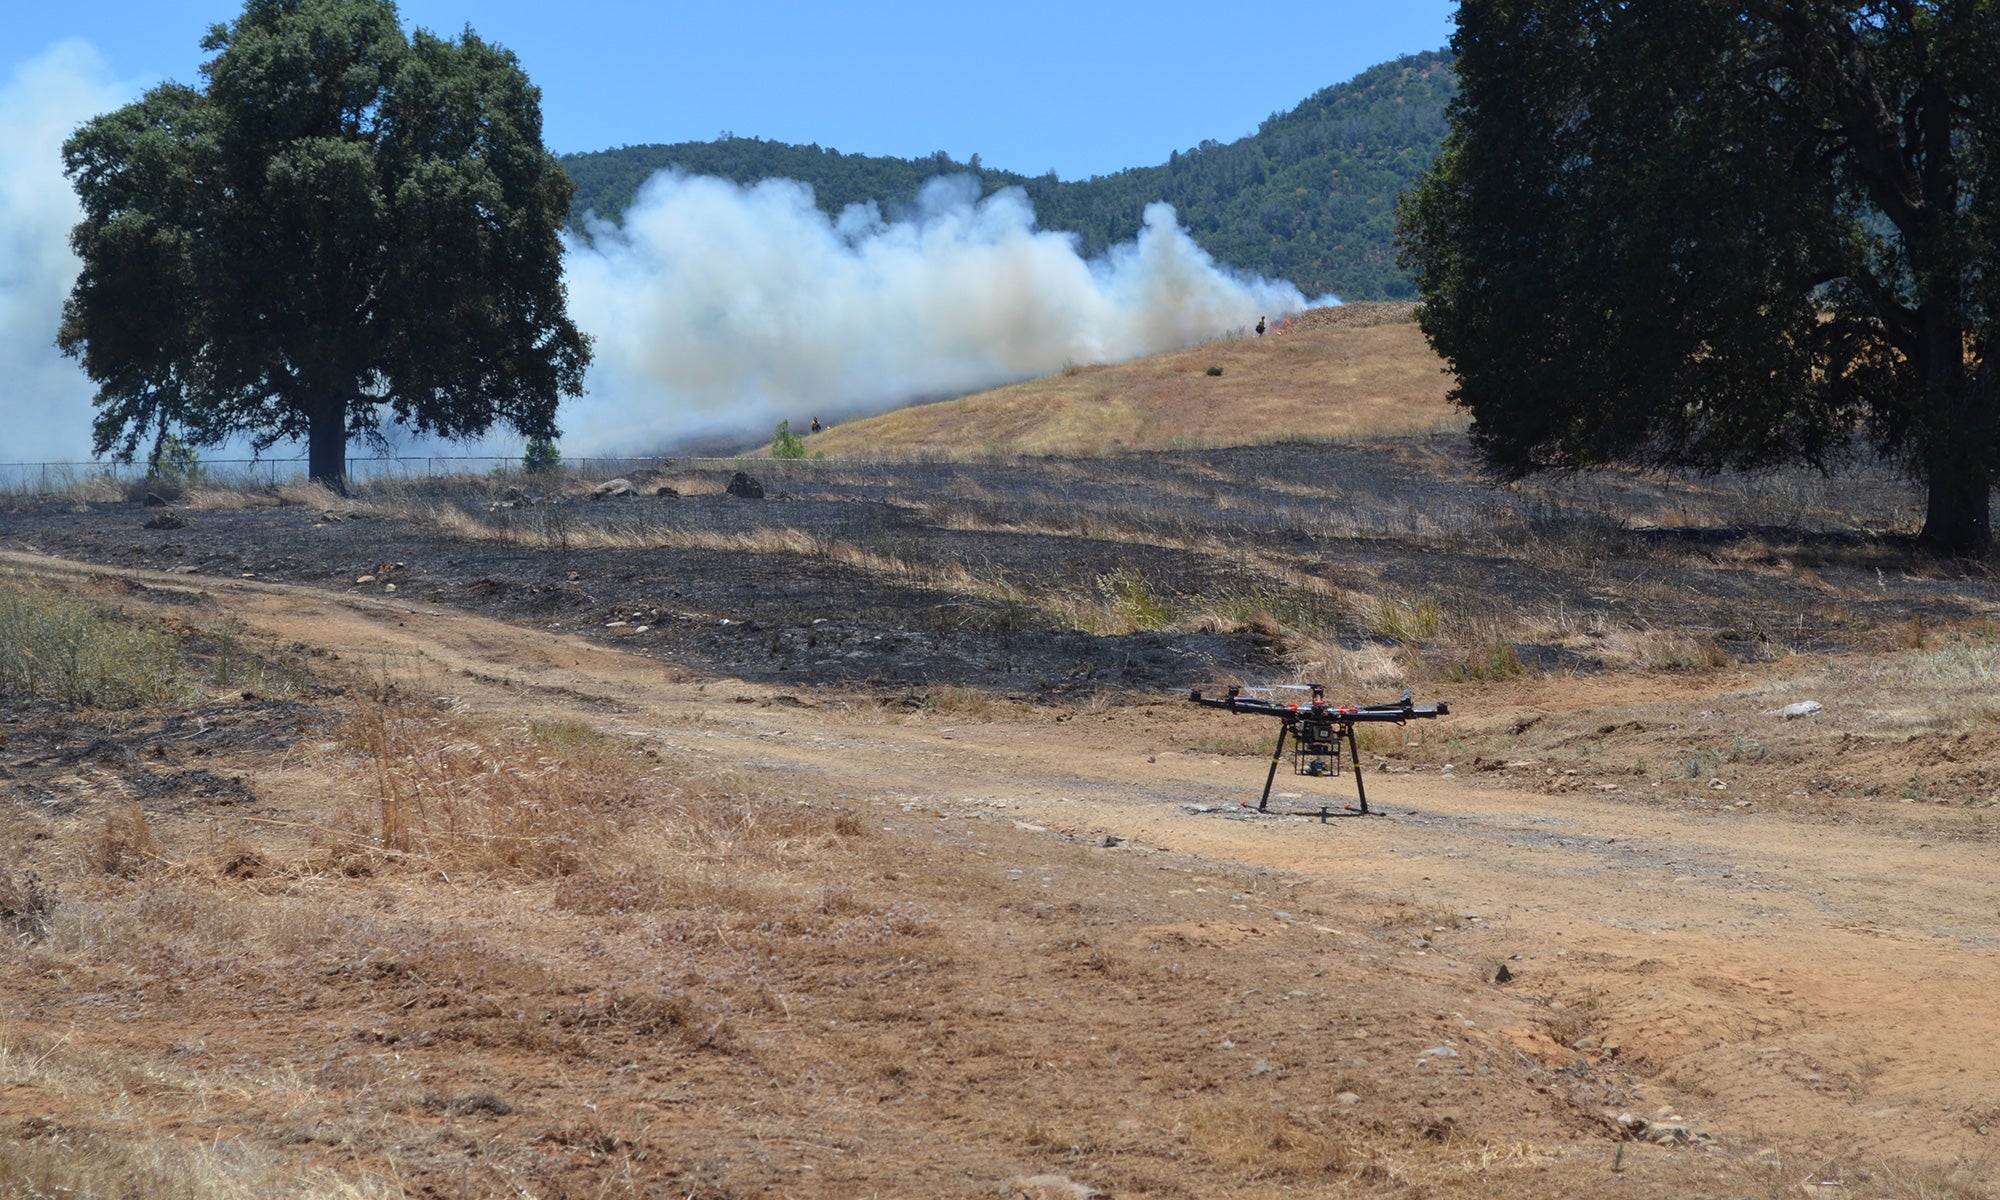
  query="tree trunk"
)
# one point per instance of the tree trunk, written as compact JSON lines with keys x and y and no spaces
{"x":1956,"y":520}
{"x":1958,"y":467}
{"x":326,"y":445}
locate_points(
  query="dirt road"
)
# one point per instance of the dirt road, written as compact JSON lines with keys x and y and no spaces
{"x":1767,"y":974}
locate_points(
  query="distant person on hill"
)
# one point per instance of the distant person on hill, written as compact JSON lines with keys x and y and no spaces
{"x":816,"y":426}
{"x":1260,"y":327}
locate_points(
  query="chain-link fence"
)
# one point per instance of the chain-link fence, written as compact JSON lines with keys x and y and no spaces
{"x":40,"y":478}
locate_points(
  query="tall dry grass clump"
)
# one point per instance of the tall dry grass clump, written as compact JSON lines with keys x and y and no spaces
{"x":462,"y":797}
{"x":550,"y":800}
{"x":26,"y":906}
{"x":55,"y":647}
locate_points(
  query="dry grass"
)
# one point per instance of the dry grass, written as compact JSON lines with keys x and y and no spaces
{"x":493,"y":927}
{"x":1945,"y":687}
{"x":1343,"y":381}
{"x":56,"y":646}
{"x":453,"y":954}
{"x":81,"y":485}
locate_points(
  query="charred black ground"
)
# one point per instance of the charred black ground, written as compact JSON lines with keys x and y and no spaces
{"x":910,"y":576}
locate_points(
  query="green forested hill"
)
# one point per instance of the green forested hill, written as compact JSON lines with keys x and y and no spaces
{"x":1310,"y":197}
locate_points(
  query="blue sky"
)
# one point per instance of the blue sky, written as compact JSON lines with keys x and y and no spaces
{"x":1081,"y":88}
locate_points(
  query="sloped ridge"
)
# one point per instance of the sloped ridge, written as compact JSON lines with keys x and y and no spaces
{"x":1355,"y":370}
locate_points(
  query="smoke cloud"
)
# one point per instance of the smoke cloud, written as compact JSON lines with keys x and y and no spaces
{"x":46,"y":397}
{"x":717,"y":309}
{"x":722,"y":308}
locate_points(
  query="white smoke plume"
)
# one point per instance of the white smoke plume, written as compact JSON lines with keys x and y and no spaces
{"x":719,"y":308}
{"x":44,"y":396}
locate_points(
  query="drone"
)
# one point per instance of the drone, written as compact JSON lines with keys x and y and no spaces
{"x":1317,"y":729}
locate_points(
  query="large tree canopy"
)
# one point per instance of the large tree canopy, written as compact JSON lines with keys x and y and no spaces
{"x":345,"y":226}
{"x":1717,"y":233}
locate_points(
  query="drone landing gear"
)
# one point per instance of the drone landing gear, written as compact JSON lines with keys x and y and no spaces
{"x":1316,"y":751}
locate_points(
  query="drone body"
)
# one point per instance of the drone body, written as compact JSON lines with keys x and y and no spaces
{"x":1317,"y":730}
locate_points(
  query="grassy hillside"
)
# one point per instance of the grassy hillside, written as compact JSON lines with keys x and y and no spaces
{"x":1309,"y":197}
{"x":1352,"y":371}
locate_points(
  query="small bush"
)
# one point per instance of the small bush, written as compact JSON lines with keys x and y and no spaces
{"x":171,"y":469}
{"x":541,"y":457}
{"x":1215,"y":370}
{"x":568,"y":736}
{"x":1407,"y":622}
{"x":501,"y":801}
{"x":1496,"y":659}
{"x":955,"y":701}
{"x":175,"y":459}
{"x":786,"y":444}
{"x":125,"y":845}
{"x":1670,"y":651}
{"x":1132,"y":601}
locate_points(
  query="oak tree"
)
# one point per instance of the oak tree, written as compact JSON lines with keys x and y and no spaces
{"x":1723,"y":233}
{"x":345,"y":226}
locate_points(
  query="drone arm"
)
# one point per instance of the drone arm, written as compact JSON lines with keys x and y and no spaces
{"x":1396,"y":712}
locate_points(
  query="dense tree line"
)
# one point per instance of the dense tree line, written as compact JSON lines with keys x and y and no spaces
{"x":1310,"y":197}
{"x":1705,"y":234}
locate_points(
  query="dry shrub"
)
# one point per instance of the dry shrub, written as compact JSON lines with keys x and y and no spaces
{"x":1494,"y":659}
{"x":1263,"y":624}
{"x":1777,"y":1176}
{"x":47,"y":1159}
{"x":693,"y":885}
{"x":560,"y":800}
{"x":488,"y":799}
{"x":1669,"y":650}
{"x":1947,"y":687}
{"x":99,"y":485}
{"x":125,"y":845}
{"x":310,"y":493}
{"x":1571,"y":1021}
{"x":635,"y":888}
{"x":1408,"y":621}
{"x":26,"y":907}
{"x":104,"y":1153}
{"x":651,"y":1015}
{"x":570,"y":737}
{"x":1131,"y":602}
{"x":1268,"y":1143}
{"x":1369,"y":667}
{"x":952,"y":700}
{"x":213,"y":498}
